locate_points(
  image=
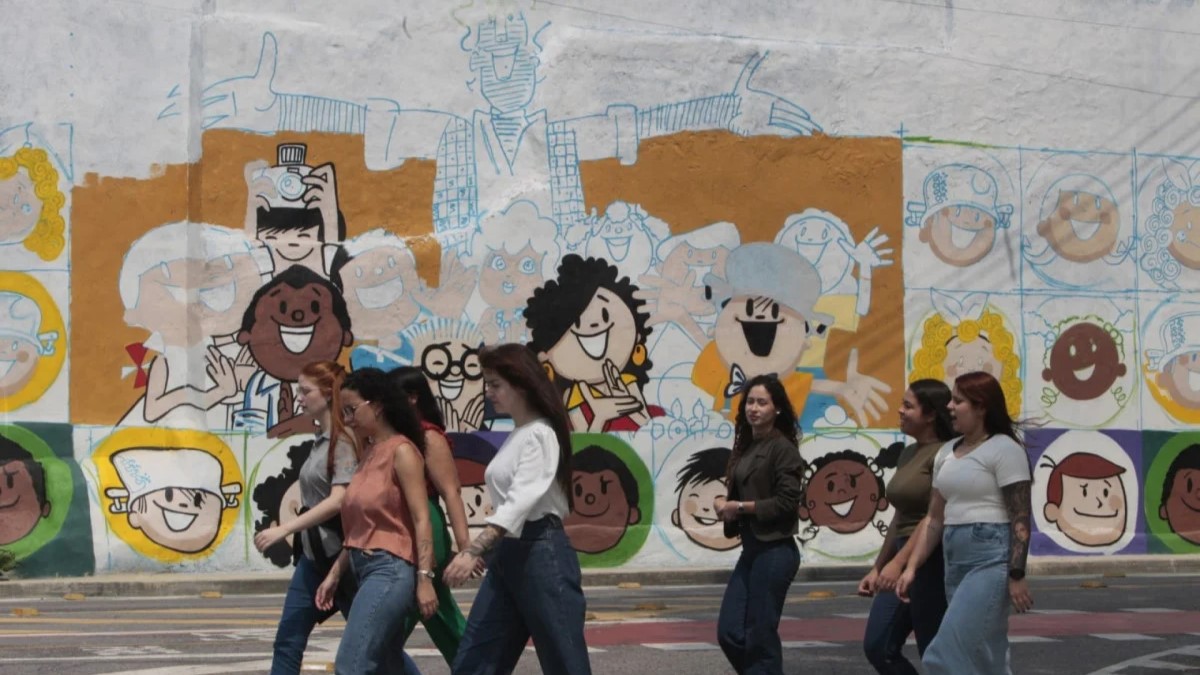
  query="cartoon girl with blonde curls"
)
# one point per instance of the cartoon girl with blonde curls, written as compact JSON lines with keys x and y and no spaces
{"x":31,"y":203}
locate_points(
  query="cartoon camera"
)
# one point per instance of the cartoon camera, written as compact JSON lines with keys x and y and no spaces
{"x":287,"y":175}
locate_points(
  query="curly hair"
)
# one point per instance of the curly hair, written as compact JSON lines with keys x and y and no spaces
{"x":785,"y":419}
{"x":930,"y":359}
{"x":268,"y":496}
{"x":1157,"y":260}
{"x":46,"y":239}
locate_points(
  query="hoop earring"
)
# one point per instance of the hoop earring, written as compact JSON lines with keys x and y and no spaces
{"x":549,"y":370}
{"x":639,"y":354}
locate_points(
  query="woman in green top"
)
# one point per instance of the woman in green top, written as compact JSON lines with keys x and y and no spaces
{"x":925,"y":417}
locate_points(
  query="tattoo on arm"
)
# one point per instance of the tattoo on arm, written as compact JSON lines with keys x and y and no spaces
{"x":486,"y":541}
{"x":1017,"y":501}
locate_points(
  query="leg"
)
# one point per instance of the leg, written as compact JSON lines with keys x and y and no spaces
{"x":551,"y":602}
{"x":447,"y":626}
{"x":386,"y":587}
{"x":731,"y":621}
{"x":973,"y":637}
{"x":496,"y":634}
{"x":300,"y":615}
{"x":770,"y":577}
{"x":928,"y":595}
{"x":887,"y":628}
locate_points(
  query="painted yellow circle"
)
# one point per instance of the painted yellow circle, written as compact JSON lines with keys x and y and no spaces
{"x":48,"y":367}
{"x":1163,"y":398}
{"x":167,"y":440}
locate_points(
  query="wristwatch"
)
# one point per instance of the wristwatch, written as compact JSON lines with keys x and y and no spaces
{"x":427,"y":573}
{"x":741,"y":508}
{"x":1016,"y":574}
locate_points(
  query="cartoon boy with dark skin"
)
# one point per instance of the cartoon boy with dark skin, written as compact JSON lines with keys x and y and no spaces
{"x":23,"y":500}
{"x":1084,"y":362}
{"x":298,"y":318}
{"x":1181,"y":495}
{"x":1085,"y":499}
{"x":606,"y":500}
{"x":843,"y":493}
{"x":591,"y":332}
{"x":701,"y":481}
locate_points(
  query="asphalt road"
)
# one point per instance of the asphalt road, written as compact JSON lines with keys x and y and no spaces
{"x":1133,"y":625}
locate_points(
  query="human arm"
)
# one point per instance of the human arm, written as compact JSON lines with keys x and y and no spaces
{"x":785,"y":465}
{"x":927,"y":538}
{"x":325,"y":591}
{"x":867,"y":585}
{"x":410,"y":471}
{"x":327,"y":508}
{"x":439,"y":463}
{"x":1017,"y":502}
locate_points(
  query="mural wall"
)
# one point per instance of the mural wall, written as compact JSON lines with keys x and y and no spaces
{"x":662,"y":204}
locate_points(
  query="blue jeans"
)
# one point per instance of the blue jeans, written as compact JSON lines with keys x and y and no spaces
{"x":300,"y":616}
{"x":748,"y":625}
{"x":891,"y":620}
{"x":974,"y":634}
{"x":532,"y":589}
{"x":373,"y":641}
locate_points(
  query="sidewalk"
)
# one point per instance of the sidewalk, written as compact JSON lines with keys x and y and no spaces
{"x":235,"y":583}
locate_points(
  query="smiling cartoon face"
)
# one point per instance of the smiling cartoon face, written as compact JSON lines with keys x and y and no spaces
{"x":294,"y":327}
{"x":843,"y":495}
{"x":686,"y":258}
{"x":18,"y":362}
{"x":20,"y":207}
{"x":379,"y":285}
{"x":478,"y":505}
{"x":820,"y":242}
{"x":1180,"y":377}
{"x":1181,"y":508}
{"x":21,"y":507}
{"x":453,"y":370}
{"x":959,"y":235}
{"x":1084,"y":362}
{"x":504,"y":62}
{"x":506,"y":281}
{"x":623,"y":240}
{"x":761,"y":335}
{"x":1082,"y":226}
{"x":1092,"y":511}
{"x":605,"y":330}
{"x":601,"y":511}
{"x":180,"y":519}
{"x":970,"y":357}
{"x":698,"y":519}
{"x":1185,"y":235}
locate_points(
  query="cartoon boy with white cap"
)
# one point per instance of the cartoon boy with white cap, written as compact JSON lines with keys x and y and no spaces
{"x":765,"y":325}
{"x":175,"y":497}
{"x":1179,"y":359}
{"x":21,"y":341}
{"x":960,"y":213}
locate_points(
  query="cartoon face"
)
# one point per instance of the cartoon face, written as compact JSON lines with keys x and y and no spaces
{"x":1082,"y":227}
{"x":18,"y":362}
{"x":1182,"y":507}
{"x":294,"y":327}
{"x":504,"y":63}
{"x":605,"y":331}
{"x":180,"y":519}
{"x":478,"y":505}
{"x":686,"y":258}
{"x":601,"y":512}
{"x":1092,"y":511}
{"x":1185,"y":235}
{"x":20,"y":208}
{"x":970,"y":357}
{"x":190,"y":300}
{"x":698,"y":519}
{"x":20,"y":509}
{"x":820,"y":242}
{"x":453,"y":370}
{"x":507,"y":281}
{"x":379,"y":285}
{"x":1084,"y":362}
{"x":959,"y":235}
{"x":842,"y":495}
{"x":761,"y":335}
{"x":624,"y":241}
{"x":1180,"y":377}
{"x":291,"y":246}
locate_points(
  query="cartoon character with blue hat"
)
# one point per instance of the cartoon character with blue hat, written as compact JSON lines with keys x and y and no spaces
{"x":959,"y":213}
{"x":22,"y":342}
{"x":1178,"y":360}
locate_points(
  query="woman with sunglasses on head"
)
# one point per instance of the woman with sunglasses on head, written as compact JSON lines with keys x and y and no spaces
{"x":445,"y":627}
{"x":764,"y":479}
{"x":532,"y":588}
{"x":925,"y":417}
{"x":385,"y":514}
{"x":980,"y":511}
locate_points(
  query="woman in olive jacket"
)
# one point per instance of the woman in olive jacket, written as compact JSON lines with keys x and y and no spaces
{"x":764,"y":488}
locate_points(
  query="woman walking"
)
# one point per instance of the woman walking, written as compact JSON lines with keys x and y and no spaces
{"x":764,"y":492}
{"x":980,"y":511}
{"x":445,"y":627}
{"x":532,"y":588}
{"x":323,"y":479}
{"x":385,"y":515}
{"x":925,"y":416}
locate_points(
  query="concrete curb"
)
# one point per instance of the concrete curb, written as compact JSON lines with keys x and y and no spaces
{"x":179,"y":584}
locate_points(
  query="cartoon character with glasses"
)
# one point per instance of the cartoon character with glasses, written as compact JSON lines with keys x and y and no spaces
{"x":447,"y":352}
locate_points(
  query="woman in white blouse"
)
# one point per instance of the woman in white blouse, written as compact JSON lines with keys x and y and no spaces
{"x":532,"y":588}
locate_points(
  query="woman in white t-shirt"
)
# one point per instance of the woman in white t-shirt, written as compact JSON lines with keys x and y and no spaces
{"x":532,"y":588}
{"x":980,"y":510}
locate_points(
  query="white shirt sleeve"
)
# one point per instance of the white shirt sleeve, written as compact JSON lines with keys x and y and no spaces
{"x":1011,"y":464}
{"x":532,"y":466}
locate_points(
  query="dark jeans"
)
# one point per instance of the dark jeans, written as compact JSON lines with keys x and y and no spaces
{"x":532,"y":589}
{"x":891,"y":620}
{"x":300,"y":616}
{"x":748,"y":625}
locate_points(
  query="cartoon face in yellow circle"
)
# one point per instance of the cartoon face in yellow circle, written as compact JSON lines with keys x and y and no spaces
{"x":32,"y":340}
{"x":171,"y":494}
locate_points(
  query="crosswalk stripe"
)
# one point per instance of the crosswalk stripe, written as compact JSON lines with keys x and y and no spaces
{"x":1124,"y":637}
{"x":682,"y":646}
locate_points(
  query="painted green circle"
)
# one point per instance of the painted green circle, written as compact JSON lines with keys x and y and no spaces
{"x":635,"y":535}
{"x":1153,"y":489}
{"x":60,"y":488}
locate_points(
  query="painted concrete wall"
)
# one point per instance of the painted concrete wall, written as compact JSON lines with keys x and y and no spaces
{"x":665,"y":199}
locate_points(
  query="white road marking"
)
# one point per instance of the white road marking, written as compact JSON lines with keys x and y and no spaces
{"x":808,"y":644}
{"x":682,"y":646}
{"x":1183,"y":660}
{"x":1124,"y":637}
{"x":1150,"y":610}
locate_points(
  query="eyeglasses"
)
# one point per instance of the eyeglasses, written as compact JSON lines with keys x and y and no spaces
{"x":437,"y":362}
{"x":349,"y":410}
